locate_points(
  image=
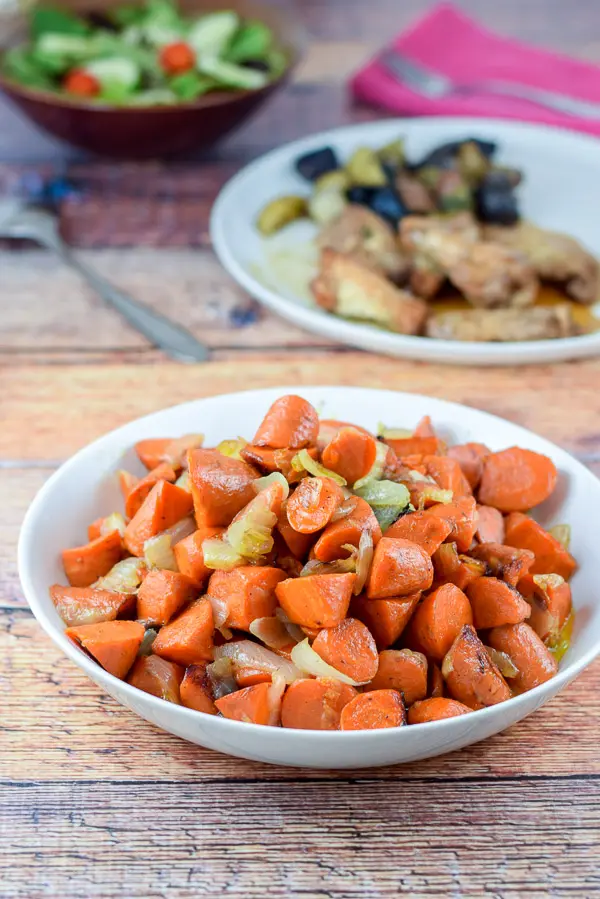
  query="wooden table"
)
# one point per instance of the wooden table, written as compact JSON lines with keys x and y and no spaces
{"x":97,"y":803}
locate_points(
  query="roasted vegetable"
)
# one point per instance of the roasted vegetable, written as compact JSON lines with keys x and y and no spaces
{"x":317,"y":163}
{"x":495,"y":200}
{"x":279,"y":213}
{"x":365,"y":168}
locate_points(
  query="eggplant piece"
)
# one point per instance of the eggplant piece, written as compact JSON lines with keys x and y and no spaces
{"x":445,"y":155}
{"x":312,"y":165}
{"x":387,"y":202}
{"x":495,"y":200}
{"x":360,"y":194}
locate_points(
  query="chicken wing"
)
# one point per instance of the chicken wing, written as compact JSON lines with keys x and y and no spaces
{"x":360,"y":233}
{"x":504,"y":325}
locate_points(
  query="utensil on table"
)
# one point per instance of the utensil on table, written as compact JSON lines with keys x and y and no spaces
{"x":437,"y":86}
{"x":19,"y":220}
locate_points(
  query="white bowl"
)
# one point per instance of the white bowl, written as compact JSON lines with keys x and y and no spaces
{"x":85,"y":488}
{"x":561,"y":191}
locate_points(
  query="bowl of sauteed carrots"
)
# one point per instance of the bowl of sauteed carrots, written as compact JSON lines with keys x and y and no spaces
{"x":339,"y":577}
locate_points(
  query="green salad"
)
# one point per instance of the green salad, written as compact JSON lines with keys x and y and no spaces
{"x":145,"y":55}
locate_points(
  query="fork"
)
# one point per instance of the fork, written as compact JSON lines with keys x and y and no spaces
{"x":432,"y":84}
{"x":20,"y":220}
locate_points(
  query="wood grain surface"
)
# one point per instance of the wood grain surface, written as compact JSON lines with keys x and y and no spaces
{"x":95,"y":802}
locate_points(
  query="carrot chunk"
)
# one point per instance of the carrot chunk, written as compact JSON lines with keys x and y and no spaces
{"x":151,"y":452}
{"x":196,"y":690}
{"x":315,"y":703}
{"x":470,"y":457}
{"x":313,"y":503}
{"x":402,"y":670}
{"x":318,"y":600}
{"x":490,"y":525}
{"x":269,"y":460}
{"x":221,"y":486}
{"x":189,"y":555}
{"x":461,"y":514}
{"x":424,"y":428}
{"x":349,"y":647}
{"x":372,"y":711}
{"x":298,"y":544}
{"x":435,"y":709}
{"x":162,"y":594}
{"x":516,"y":479}
{"x":158,"y":677}
{"x":164,"y":506}
{"x":188,"y":639}
{"x":471,"y":676}
{"x":399,"y":568}
{"x":495,"y":603}
{"x":550,"y":598}
{"x":347,"y":531}
{"x":127,"y":482}
{"x":140,"y":490}
{"x":290,"y":422}
{"x":504,"y":562}
{"x":254,"y":705}
{"x":550,"y":556}
{"x":247,"y":593}
{"x":84,"y":605}
{"x":447,"y":473}
{"x":533,"y":659}
{"x":85,"y":564}
{"x":438,"y":620}
{"x":456,"y":569}
{"x":417,"y":446}
{"x":385,"y":618}
{"x":114,"y":644}
{"x":351,"y":454}
{"x":427,"y":530}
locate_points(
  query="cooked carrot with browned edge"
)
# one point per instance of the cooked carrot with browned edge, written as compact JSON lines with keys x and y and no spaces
{"x":435,"y":709}
{"x":151,"y":452}
{"x":505,"y":562}
{"x":349,"y":647}
{"x":317,"y":600}
{"x":269,"y":460}
{"x":437,"y":621}
{"x":495,"y":602}
{"x":290,"y":422}
{"x":351,"y":454}
{"x":490,"y":525}
{"x":298,"y":544}
{"x":315,"y":704}
{"x":189,"y":555}
{"x":385,"y":618}
{"x":550,"y":598}
{"x":461,"y":514}
{"x":140,"y":490}
{"x":252,"y":704}
{"x":221,"y":486}
{"x":347,"y":530}
{"x":94,"y":529}
{"x":249,"y":677}
{"x":435,"y":681}
{"x":456,"y":569}
{"x":447,"y":473}
{"x":533,"y":659}
{"x":416,"y":446}
{"x":427,"y":530}
{"x":399,"y":568}
{"x":402,"y":670}
{"x":246,"y":593}
{"x":162,"y":594}
{"x":196,"y":690}
{"x":470,"y":457}
{"x":515,"y":479}
{"x":550,"y":556}
{"x":85,"y":564}
{"x":114,"y":644}
{"x":164,"y":506}
{"x":373,"y":711}
{"x":329,"y":427}
{"x":188,"y":639}
{"x":85,"y":605}
{"x":470,"y":674}
{"x":158,"y":677}
{"x":312,"y":504}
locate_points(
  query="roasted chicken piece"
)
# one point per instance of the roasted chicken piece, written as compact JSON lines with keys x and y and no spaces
{"x":504,"y":325}
{"x":426,"y":276}
{"x":353,"y":290}
{"x":362,"y":234}
{"x":555,"y":257}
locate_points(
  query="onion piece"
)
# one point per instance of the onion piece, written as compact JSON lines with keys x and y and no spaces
{"x":393,"y":433}
{"x":562,"y":533}
{"x":388,"y":499}
{"x":503,"y":662}
{"x":307,"y":660}
{"x":232,"y":448}
{"x":261,"y":484}
{"x":219,"y":555}
{"x":158,"y":553}
{"x":220,"y":674}
{"x":548,"y":581}
{"x":338,"y":566}
{"x":364,"y":559}
{"x":176,"y":452}
{"x":220,"y":615}
{"x":183,"y":481}
{"x":303,"y":461}
{"x":180,"y":530}
{"x":276,"y":691}
{"x":344,"y":510}
{"x":377,"y":469}
{"x":246,"y":654}
{"x":251,"y":534}
{"x":147,"y":641}
{"x":124,"y":577}
{"x":436,"y":495}
{"x":113,"y":522}
{"x":272,"y":632}
{"x":294,"y":630}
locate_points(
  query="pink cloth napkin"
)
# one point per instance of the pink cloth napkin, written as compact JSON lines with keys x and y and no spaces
{"x":454,"y":45}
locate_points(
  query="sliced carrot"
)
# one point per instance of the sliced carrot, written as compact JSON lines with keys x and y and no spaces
{"x":372,"y":711}
{"x":329,"y":427}
{"x":516,"y":479}
{"x":347,"y":531}
{"x":435,"y":709}
{"x":495,"y":603}
{"x":422,"y":446}
{"x":385,"y":618}
{"x":470,"y":457}
{"x":221,"y":486}
{"x":196,"y":690}
{"x":94,"y":529}
{"x":447,"y":473}
{"x":158,"y":677}
{"x":454,"y":568}
{"x":151,"y":452}
{"x":269,"y":460}
{"x":189,"y":555}
{"x":127,"y":482}
{"x":247,"y":593}
{"x":290,"y":422}
{"x":318,"y":600}
{"x":315,"y":704}
{"x":141,"y":489}
{"x":84,"y":605}
{"x":312,"y":504}
{"x":461,"y":514}
{"x":424,"y":428}
{"x":249,"y":677}
{"x":252,"y":704}
{"x":188,"y":639}
{"x":162,"y":594}
{"x":437,"y":621}
{"x":490,"y":525}
{"x":435,"y":681}
{"x":350,"y":648}
{"x":399,"y":568}
{"x":164,"y":506}
{"x":550,"y":598}
{"x":504,"y":562}
{"x":535,"y":662}
{"x":429,"y":531}
{"x":550,"y":556}
{"x":402,"y":670}
{"x":351,"y":454}
{"x":114,"y":644}
{"x":298,"y":544}
{"x":85,"y":564}
{"x":471,"y":676}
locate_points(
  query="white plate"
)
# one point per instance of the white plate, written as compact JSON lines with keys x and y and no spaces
{"x":85,"y":488}
{"x":561,"y":192}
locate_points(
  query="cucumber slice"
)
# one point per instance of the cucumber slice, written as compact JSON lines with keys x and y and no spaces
{"x":228,"y":74}
{"x":117,"y":72}
{"x":252,"y":41}
{"x":212,"y":33}
{"x":70,"y":46}
{"x":159,"y":96}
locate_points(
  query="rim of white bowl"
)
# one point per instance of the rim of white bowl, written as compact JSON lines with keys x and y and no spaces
{"x":97,"y":673}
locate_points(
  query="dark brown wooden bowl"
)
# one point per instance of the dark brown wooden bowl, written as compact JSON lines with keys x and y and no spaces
{"x":145,"y":132}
